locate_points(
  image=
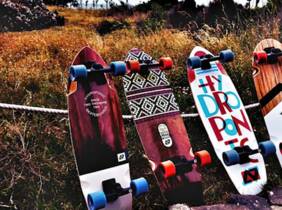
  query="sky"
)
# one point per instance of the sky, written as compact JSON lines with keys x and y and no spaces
{"x":199,"y":2}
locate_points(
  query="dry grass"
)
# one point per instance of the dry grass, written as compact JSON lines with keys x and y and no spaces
{"x":37,"y":167}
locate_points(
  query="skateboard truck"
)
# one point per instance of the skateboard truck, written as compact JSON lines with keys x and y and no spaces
{"x":113,"y":190}
{"x":82,"y":71}
{"x":240,"y":155}
{"x":204,"y":62}
{"x":180,"y":165}
{"x":268,"y":55}
{"x":142,"y":66}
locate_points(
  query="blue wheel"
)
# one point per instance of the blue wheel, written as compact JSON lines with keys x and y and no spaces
{"x":118,"y":67}
{"x":78,"y":71}
{"x":226,"y":56}
{"x":139,"y":186}
{"x":267,"y":148}
{"x":96,"y":200}
{"x":231,"y":157}
{"x":194,"y":62}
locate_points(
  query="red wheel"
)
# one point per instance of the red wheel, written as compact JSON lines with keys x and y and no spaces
{"x":260,"y":57}
{"x":165,"y":63}
{"x":168,"y":168}
{"x":133,"y":66}
{"x":204,"y":157}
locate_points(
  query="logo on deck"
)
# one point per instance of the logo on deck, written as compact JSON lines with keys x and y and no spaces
{"x":121,"y":157}
{"x":95,"y":103}
{"x":250,"y":175}
{"x":164,"y":133}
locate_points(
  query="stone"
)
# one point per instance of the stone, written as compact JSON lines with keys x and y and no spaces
{"x":179,"y":207}
{"x":253,"y":202}
{"x":25,"y":15}
{"x":222,"y":207}
{"x":276,"y":207}
{"x":275,"y":196}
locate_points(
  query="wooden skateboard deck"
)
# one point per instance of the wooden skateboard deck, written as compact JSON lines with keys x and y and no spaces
{"x":97,"y":132}
{"x":161,"y":130}
{"x":226,"y":122}
{"x":268,"y":83}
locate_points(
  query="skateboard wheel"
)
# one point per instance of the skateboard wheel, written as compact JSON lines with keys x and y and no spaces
{"x":194,"y":62}
{"x":139,"y":186}
{"x":165,"y":63}
{"x":231,"y":157}
{"x":267,"y":148}
{"x":96,"y":200}
{"x":118,"y":67}
{"x":260,"y":57}
{"x":168,"y":168}
{"x":204,"y":157}
{"x":78,"y":71}
{"x":226,"y":56}
{"x":133,"y":66}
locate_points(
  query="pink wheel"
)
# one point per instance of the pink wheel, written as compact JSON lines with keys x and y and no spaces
{"x":260,"y":57}
{"x":168,"y":168}
{"x":134,"y":66}
{"x":204,"y":157}
{"x":165,"y":63}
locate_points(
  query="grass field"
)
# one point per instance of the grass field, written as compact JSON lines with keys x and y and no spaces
{"x":37,"y":169}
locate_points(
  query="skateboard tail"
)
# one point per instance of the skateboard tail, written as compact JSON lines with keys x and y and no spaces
{"x":92,"y":182}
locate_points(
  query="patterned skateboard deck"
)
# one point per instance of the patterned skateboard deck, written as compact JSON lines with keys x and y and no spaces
{"x":268,"y":83}
{"x":161,"y":130}
{"x":97,"y":132}
{"x":226,"y":122}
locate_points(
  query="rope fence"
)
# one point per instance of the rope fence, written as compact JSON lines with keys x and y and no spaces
{"x":65,"y":112}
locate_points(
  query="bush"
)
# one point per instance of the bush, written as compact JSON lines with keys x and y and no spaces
{"x":154,"y":22}
{"x":107,"y":26}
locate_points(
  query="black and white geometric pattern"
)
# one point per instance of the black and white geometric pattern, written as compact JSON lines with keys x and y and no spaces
{"x":153,"y":105}
{"x":136,"y":81}
{"x":148,"y":103}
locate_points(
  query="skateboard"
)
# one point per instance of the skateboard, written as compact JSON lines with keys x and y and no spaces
{"x":267,"y":74}
{"x":161,"y":129}
{"x":226,"y":122}
{"x":98,"y":135}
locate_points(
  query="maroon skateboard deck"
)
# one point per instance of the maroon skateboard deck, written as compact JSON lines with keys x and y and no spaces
{"x":98,"y":135}
{"x":161,"y":130}
{"x":268,"y":82}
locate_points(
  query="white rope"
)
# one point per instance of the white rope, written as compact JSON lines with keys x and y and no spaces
{"x":33,"y":109}
{"x":65,"y":112}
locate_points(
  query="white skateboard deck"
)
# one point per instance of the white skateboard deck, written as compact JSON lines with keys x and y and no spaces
{"x":226,"y":122}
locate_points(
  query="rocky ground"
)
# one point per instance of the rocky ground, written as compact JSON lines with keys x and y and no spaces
{"x":272,"y":201}
{"x":23,"y":15}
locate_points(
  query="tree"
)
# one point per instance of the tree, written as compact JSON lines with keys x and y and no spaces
{"x":107,"y":3}
{"x":95,"y":3}
{"x":59,"y":2}
{"x":165,"y":2}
